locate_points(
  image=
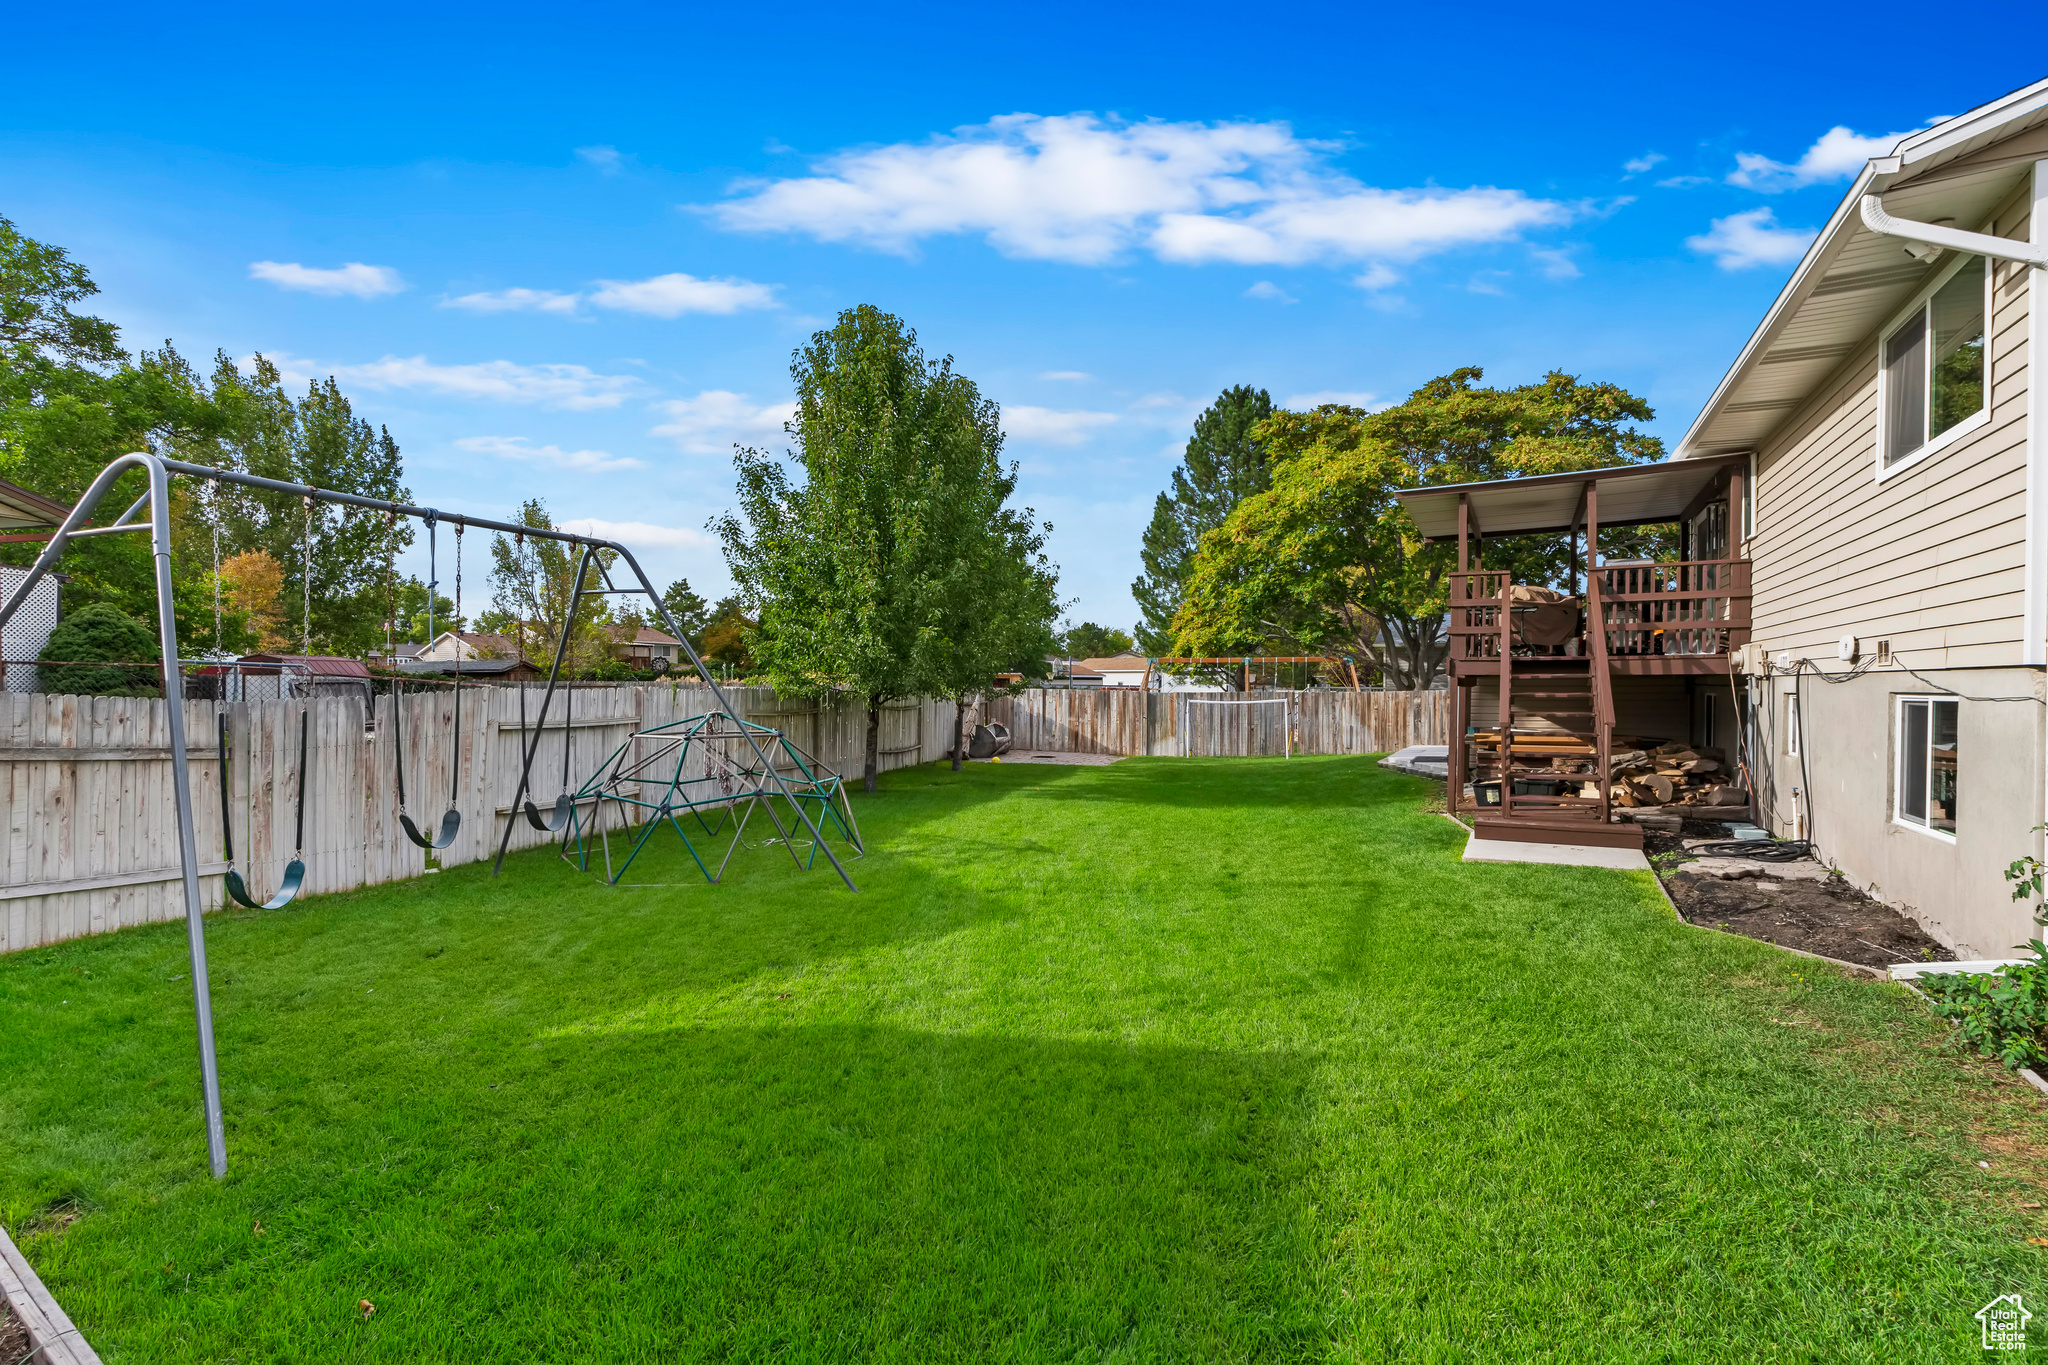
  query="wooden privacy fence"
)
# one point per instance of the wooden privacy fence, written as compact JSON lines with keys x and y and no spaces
{"x":91,"y":833}
{"x":1166,"y":724}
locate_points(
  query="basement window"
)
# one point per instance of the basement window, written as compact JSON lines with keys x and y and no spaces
{"x":1933,"y":386}
{"x":1926,"y":781}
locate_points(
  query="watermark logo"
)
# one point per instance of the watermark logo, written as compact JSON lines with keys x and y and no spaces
{"x":2005,"y":1323}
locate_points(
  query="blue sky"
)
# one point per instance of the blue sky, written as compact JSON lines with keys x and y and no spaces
{"x":567,"y":253}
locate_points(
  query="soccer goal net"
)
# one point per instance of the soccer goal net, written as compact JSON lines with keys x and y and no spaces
{"x":1236,"y":727}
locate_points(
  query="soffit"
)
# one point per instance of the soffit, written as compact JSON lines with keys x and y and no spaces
{"x":1853,"y":280}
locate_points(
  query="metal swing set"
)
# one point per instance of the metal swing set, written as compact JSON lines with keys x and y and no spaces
{"x":756,"y":784}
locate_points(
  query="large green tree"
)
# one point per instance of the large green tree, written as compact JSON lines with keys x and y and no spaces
{"x":532,"y":581}
{"x":335,"y":558}
{"x":1226,"y":461}
{"x":994,"y":594}
{"x":1326,"y":560}
{"x":847,"y":565}
{"x":71,"y":399}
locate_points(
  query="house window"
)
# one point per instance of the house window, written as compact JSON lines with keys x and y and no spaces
{"x":1934,"y":373}
{"x":1926,"y":795}
{"x":1792,"y":726}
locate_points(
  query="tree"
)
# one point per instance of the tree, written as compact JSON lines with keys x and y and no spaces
{"x":726,"y":637}
{"x":1225,"y":462}
{"x":410,"y":612}
{"x":532,"y":580}
{"x":38,"y":285}
{"x":686,"y":608}
{"x":336,"y":559}
{"x":103,"y":634}
{"x":1326,"y":560}
{"x":845,"y":567}
{"x":1090,"y":641}
{"x":253,"y":585}
{"x":993,"y":592}
{"x":70,"y":401}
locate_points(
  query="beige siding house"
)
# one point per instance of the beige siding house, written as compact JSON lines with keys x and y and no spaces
{"x":1897,"y":526}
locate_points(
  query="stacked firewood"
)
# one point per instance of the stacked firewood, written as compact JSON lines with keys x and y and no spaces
{"x":1652,"y":774}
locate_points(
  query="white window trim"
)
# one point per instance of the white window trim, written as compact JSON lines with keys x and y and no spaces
{"x":1934,"y":445}
{"x":1899,"y":758}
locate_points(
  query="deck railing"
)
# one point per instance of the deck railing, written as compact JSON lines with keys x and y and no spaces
{"x":1695,"y":607}
{"x":1687,"y":607}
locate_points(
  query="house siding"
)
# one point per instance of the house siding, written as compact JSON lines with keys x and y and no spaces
{"x":1932,"y":558}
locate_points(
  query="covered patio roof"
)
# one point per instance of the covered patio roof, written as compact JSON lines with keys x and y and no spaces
{"x":21,"y":509}
{"x":1546,"y":504}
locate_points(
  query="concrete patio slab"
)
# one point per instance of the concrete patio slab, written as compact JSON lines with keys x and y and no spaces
{"x":1478,"y":850}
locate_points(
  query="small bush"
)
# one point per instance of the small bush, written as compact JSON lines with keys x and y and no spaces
{"x":2004,"y":1015}
{"x":100,"y":633}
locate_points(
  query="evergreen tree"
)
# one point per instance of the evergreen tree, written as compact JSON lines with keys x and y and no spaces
{"x":1223,"y":464}
{"x":687,"y":608}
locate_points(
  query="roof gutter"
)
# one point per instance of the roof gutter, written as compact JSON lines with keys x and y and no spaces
{"x":1933,"y":239}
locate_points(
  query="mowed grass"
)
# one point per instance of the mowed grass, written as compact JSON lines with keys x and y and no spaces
{"x":1171,"y":1060}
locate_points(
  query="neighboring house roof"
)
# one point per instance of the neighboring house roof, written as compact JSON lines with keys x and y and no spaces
{"x":645,"y":636}
{"x":449,"y":643}
{"x":319,"y":665}
{"x":1122,"y":663}
{"x":468,"y":668}
{"x":21,"y":509}
{"x":1852,"y":280}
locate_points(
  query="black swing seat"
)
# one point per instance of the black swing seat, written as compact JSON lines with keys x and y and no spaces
{"x":287,"y":890}
{"x":451,"y":822}
{"x":557,"y":819}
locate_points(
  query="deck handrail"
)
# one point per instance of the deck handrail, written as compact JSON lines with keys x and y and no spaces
{"x":1603,"y":697}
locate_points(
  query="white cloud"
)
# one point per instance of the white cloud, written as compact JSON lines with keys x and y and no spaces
{"x":1083,"y":189}
{"x":718,"y":419}
{"x":514,"y":301}
{"x":1742,"y":240}
{"x":1488,"y":282}
{"x":606,"y":159}
{"x":1636,"y":165}
{"x":1838,"y":155}
{"x":638,"y":535}
{"x":580,"y":461}
{"x":1556,"y":263}
{"x":671,"y":296}
{"x":1071,"y":376}
{"x":1684,"y":182}
{"x":558,"y":386}
{"x":1266,"y":289}
{"x":1052,"y":426}
{"x":1303,"y":402}
{"x":363,"y":281}
{"x":1377,"y":276}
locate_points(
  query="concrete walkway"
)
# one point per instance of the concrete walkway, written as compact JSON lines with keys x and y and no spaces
{"x":1478,"y":850}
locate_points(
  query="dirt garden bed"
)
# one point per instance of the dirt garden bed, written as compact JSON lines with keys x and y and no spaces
{"x":14,"y":1343}
{"x":1828,"y":916}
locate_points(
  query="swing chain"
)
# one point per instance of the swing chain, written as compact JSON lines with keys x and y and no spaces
{"x":306,"y":580}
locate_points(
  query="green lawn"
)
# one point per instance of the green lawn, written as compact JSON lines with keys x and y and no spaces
{"x":1190,"y":1060}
